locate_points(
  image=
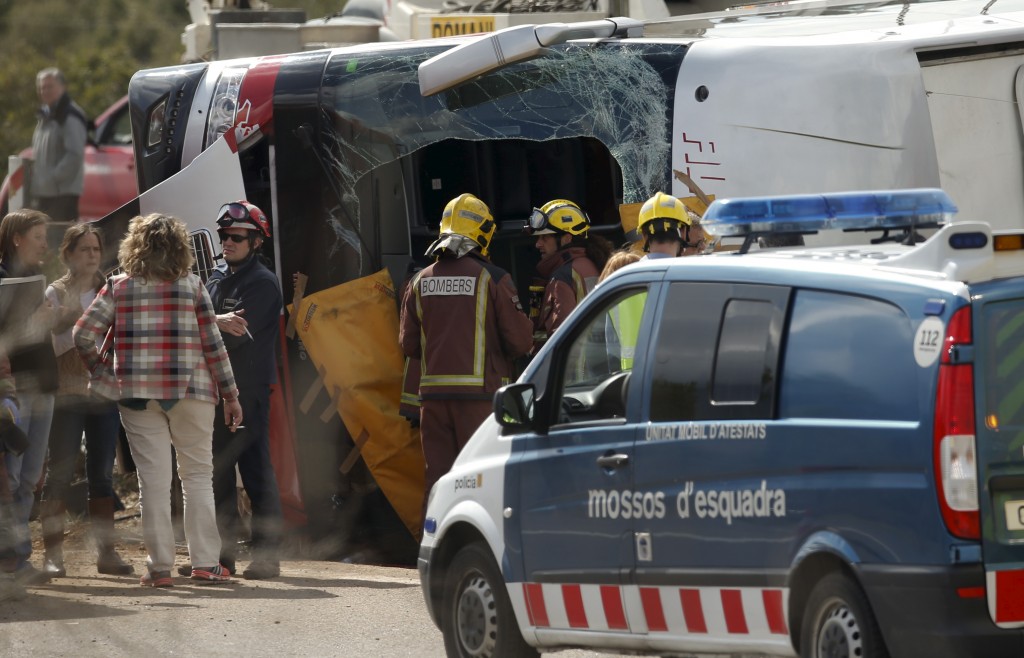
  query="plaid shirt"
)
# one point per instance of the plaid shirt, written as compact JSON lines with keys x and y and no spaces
{"x":167,"y":344}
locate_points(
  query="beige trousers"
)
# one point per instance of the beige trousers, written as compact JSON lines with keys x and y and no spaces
{"x":188,"y":427}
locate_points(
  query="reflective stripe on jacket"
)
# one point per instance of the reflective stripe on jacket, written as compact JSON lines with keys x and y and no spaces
{"x":462,"y":318}
{"x":571,"y":276}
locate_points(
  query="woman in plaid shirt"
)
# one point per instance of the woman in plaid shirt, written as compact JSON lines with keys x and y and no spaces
{"x":171,"y":368}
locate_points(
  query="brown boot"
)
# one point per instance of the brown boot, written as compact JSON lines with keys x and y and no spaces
{"x":101,"y":517}
{"x":51,"y":513}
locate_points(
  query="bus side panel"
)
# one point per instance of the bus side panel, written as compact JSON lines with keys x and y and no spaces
{"x":752,"y":119}
{"x":978,"y":137}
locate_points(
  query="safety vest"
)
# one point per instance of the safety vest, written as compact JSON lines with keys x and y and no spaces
{"x":625,"y":318}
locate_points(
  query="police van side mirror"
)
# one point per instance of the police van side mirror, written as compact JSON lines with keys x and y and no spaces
{"x":513,"y":406}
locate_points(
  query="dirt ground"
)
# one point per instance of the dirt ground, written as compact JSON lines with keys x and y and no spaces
{"x":79,"y":549}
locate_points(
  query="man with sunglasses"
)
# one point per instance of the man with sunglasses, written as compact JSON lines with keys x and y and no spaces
{"x":247,"y":299}
{"x":571,"y":260}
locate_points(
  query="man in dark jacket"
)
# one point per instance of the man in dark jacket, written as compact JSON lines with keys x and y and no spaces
{"x":58,"y":149}
{"x":247,"y":299}
{"x":462,"y":318}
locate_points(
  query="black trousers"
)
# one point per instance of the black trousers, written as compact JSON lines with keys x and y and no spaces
{"x":249,"y":448}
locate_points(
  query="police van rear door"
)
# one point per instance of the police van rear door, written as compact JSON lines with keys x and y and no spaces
{"x":998,"y":346}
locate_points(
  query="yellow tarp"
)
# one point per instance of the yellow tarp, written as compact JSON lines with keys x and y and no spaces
{"x":351,"y":333}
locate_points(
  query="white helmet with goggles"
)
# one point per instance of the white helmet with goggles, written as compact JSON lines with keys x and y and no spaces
{"x":242,"y":214}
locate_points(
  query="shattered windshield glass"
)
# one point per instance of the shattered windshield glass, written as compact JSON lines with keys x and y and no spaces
{"x":618,"y":93}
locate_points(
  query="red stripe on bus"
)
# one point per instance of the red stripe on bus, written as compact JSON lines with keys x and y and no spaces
{"x":614,"y":613}
{"x":1009,"y":596}
{"x":535,"y":608}
{"x":652,"y":609}
{"x":693,"y":611}
{"x":732,"y":606}
{"x":773,"y":611}
{"x":574,"y":606}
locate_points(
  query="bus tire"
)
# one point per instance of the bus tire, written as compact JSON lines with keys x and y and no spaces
{"x":477,"y":618}
{"x":838,"y":622}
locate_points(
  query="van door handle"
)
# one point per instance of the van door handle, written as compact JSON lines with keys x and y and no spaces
{"x":613,"y":461}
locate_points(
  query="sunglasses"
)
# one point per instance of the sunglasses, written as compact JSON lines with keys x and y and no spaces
{"x":237,"y":239}
{"x":230,"y":213}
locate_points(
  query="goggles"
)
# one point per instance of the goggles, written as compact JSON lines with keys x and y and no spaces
{"x":232,"y":212}
{"x":538,"y":220}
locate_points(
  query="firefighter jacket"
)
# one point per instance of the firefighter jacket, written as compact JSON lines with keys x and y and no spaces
{"x":462,"y":318}
{"x":569,"y":276}
{"x":409,"y":405}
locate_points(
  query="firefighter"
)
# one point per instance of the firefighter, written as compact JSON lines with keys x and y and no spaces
{"x":247,"y":299}
{"x":664,"y":226}
{"x":571,"y":260}
{"x":462,"y":318}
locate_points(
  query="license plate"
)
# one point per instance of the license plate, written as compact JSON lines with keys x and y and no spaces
{"x":453,"y":26}
{"x":1014,"y":514}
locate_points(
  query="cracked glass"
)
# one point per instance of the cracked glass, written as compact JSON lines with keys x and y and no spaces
{"x":619,"y":94}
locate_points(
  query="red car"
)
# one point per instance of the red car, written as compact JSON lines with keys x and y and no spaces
{"x":109,"y":166}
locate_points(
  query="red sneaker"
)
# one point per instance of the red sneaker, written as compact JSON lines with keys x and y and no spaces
{"x":211,"y":576}
{"x":156,"y":579}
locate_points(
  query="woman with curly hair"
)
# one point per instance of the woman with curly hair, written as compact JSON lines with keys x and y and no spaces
{"x":171,"y":368}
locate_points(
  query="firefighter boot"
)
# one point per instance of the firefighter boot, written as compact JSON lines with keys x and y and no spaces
{"x":52,"y":517}
{"x":101,"y":516}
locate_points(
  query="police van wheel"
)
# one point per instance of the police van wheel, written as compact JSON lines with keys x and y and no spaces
{"x":478,"y":621}
{"x":838,"y":622}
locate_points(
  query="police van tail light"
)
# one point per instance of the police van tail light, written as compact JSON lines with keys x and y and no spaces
{"x":956,"y":466}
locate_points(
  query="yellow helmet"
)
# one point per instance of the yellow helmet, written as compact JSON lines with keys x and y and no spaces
{"x":558,"y":216}
{"x":662,"y":213}
{"x":469,"y":217}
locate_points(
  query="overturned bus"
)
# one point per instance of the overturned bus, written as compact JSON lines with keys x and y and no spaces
{"x":353,"y":153}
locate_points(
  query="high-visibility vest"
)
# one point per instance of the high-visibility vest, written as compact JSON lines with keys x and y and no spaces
{"x":626,"y":317}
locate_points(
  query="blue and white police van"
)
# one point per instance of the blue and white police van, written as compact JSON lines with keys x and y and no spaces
{"x":806,"y":451}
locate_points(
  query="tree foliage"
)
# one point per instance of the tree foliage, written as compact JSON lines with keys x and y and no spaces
{"x":98,"y":44}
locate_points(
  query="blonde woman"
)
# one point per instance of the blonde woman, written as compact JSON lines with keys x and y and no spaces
{"x":171,"y":368}
{"x":619,"y":259}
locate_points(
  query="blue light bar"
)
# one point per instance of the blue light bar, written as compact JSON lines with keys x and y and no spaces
{"x":809,"y":213}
